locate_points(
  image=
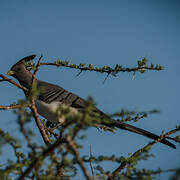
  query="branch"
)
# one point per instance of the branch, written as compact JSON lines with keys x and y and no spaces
{"x":14,"y":106}
{"x":34,"y":109}
{"x":37,"y":66}
{"x":4,"y":78}
{"x":38,"y":123}
{"x":34,"y":74}
{"x":78,"y":158}
{"x":105,"y":69}
{"x":174,"y":139}
{"x":142,"y":67}
{"x":148,"y":146}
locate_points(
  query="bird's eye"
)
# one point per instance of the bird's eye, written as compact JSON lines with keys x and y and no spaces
{"x":29,"y":68}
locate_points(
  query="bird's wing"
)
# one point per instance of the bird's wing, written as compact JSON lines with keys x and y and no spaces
{"x":53,"y":93}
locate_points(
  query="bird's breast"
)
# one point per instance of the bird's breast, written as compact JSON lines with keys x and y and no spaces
{"x":51,"y":111}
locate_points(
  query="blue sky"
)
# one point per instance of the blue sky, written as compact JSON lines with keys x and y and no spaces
{"x":101,"y":33}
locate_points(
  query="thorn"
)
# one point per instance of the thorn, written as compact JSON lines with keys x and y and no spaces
{"x":133,"y":75}
{"x":79,"y":73}
{"x":106,"y":78}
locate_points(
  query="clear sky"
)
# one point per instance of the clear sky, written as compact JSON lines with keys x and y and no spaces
{"x":101,"y":32}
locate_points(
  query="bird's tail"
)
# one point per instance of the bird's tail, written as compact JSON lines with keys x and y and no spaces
{"x":121,"y":125}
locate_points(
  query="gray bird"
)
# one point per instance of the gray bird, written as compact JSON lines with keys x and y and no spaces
{"x":52,"y":96}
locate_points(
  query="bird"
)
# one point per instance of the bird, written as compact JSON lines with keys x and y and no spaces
{"x":51,"y":97}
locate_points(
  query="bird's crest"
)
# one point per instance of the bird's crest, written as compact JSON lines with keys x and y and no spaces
{"x":25,"y":59}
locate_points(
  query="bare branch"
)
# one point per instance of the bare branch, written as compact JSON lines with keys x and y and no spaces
{"x":14,"y":106}
{"x":4,"y":78}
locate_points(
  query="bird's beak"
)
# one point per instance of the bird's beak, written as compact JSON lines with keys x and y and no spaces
{"x":10,"y":73}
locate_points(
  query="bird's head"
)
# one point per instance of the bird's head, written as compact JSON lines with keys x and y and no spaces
{"x":19,"y":68}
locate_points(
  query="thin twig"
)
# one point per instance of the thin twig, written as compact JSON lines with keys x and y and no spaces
{"x":79,"y":73}
{"x":133,"y":75}
{"x":106,"y":78}
{"x":4,"y":78}
{"x":90,"y":162}
{"x":16,"y":106}
{"x":78,"y":158}
{"x":174,"y":139}
{"x":37,"y":66}
{"x":35,"y":71}
{"x":51,"y":132}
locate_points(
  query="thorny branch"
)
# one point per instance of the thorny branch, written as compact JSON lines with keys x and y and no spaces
{"x":142,"y":67}
{"x":135,"y":154}
{"x":72,"y":146}
{"x":45,"y":153}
